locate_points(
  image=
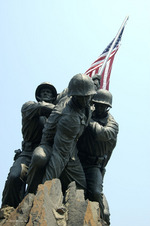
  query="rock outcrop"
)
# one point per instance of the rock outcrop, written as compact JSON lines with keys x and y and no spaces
{"x":50,"y":208}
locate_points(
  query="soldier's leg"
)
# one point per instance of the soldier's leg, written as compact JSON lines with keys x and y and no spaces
{"x":95,"y":186}
{"x":55,"y":166}
{"x":106,"y":210}
{"x":36,"y":170}
{"x":73,"y":172}
{"x":13,"y":192}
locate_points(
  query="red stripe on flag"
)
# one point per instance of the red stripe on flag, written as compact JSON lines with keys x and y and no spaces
{"x":96,"y":65}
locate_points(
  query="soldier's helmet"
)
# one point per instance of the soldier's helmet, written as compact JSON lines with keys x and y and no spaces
{"x":81,"y":85}
{"x":46,"y":85}
{"x":103,"y":97}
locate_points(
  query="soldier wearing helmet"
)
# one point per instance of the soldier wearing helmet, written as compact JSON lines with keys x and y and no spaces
{"x":102,"y":102}
{"x":34,"y":116}
{"x":48,"y":92}
{"x":95,"y":148}
{"x":57,"y":150}
{"x":97,"y":81}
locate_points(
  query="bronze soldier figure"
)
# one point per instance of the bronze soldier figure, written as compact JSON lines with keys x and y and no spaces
{"x":95,"y":148}
{"x":34,"y":116}
{"x":97,"y":81}
{"x":57,"y":150}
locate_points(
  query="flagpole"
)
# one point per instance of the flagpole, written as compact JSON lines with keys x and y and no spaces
{"x":112,"y":46}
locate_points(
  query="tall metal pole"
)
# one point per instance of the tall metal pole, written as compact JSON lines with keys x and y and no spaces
{"x":113,"y":44}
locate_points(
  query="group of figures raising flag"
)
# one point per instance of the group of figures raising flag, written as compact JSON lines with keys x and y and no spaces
{"x":70,"y":136}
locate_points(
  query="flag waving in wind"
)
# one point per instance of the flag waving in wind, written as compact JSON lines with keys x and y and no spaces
{"x":103,"y":64}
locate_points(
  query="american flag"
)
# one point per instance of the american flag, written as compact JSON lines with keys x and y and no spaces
{"x":96,"y":65}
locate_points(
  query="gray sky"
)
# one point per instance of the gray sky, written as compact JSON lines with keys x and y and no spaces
{"x":54,"y":40}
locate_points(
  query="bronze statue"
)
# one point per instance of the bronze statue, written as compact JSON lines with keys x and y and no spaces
{"x":34,"y":116}
{"x":95,"y":147}
{"x":97,"y":81}
{"x":57,"y":151}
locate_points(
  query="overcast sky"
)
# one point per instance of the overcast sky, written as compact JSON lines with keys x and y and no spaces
{"x":54,"y":40}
